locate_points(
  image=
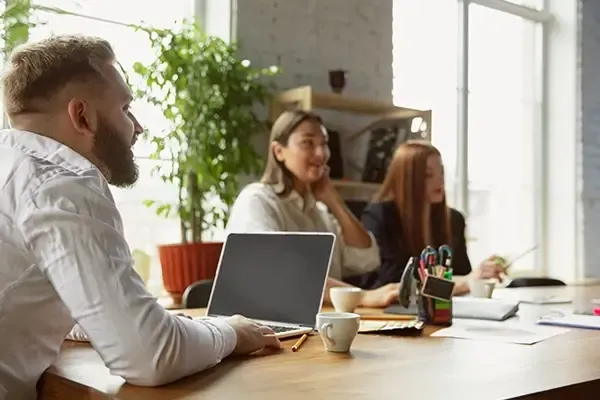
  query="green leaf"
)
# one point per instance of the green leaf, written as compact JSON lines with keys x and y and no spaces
{"x":163,"y":210}
{"x":149,"y":203}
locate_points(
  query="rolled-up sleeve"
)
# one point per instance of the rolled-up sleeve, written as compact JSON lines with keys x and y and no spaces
{"x":357,"y":260}
{"x":74,"y":230}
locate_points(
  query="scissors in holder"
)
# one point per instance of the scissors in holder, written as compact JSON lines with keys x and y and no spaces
{"x":445,"y":255}
{"x":429,"y":257}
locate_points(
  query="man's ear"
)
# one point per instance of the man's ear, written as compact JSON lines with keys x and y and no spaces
{"x":82,"y":116}
{"x":277,"y":150}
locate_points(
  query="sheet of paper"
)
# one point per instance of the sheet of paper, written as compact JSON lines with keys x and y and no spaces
{"x":518,"y":333}
{"x":547,"y":299}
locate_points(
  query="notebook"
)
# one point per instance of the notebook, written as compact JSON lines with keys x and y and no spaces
{"x":470,"y":308}
{"x":399,"y":328}
{"x":572,"y":321}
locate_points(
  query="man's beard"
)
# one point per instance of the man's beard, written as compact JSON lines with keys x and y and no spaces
{"x":115,"y":154}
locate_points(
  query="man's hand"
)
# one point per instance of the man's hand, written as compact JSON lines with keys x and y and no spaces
{"x":381,"y":297}
{"x":251,"y":336}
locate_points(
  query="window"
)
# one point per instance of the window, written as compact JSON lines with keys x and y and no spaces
{"x":425,"y":70}
{"x":108,"y":19}
{"x":503,"y":107}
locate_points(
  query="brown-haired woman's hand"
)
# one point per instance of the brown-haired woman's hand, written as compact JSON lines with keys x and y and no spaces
{"x":324,"y":191}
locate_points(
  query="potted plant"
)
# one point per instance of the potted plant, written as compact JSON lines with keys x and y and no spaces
{"x":209,"y":95}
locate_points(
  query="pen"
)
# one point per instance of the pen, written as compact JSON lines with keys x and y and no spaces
{"x":299,"y":342}
{"x":507,"y":263}
{"x":422,"y":271}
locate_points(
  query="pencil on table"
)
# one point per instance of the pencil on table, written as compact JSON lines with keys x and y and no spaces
{"x":299,"y":342}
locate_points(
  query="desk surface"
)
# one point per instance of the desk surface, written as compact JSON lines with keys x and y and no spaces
{"x":378,"y":367}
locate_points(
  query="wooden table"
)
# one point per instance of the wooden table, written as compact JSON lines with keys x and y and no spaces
{"x":378,"y":367}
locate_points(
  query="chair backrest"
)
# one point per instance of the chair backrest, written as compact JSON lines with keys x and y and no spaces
{"x":533,"y":282}
{"x":197,"y":294}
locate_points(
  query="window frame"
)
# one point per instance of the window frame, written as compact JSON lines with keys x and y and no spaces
{"x":461,"y":181}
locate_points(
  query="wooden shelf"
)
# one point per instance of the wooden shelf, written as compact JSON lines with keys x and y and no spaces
{"x":367,"y":186}
{"x":305,"y":98}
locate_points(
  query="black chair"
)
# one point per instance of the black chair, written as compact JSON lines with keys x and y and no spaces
{"x":534,"y":282}
{"x":197,"y":294}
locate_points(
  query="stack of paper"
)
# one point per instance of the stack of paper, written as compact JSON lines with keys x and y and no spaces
{"x":499,"y":332}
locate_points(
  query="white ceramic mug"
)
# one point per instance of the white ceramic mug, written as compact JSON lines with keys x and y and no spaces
{"x":345,"y":299}
{"x":482,"y":288}
{"x":338,"y":330}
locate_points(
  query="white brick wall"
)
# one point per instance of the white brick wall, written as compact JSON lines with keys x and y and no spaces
{"x":310,"y":37}
{"x":307,"y":38}
{"x":573,"y":141}
{"x":590,"y":135}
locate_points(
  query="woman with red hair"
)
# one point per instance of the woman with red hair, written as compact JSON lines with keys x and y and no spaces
{"x":410,"y":213}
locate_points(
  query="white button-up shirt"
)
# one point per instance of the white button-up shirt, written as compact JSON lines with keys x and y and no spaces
{"x":64,"y":260}
{"x":259,"y":209}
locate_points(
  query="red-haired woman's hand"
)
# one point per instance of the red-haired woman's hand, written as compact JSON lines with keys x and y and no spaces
{"x":381,"y":297}
{"x":460,"y":289}
{"x":490,"y":268}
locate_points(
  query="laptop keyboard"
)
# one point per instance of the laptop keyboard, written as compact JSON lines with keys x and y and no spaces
{"x":280,"y":329}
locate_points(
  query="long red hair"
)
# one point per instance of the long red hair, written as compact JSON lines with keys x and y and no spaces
{"x":405,"y":185}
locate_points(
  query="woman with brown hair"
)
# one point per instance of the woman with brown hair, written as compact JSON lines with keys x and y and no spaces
{"x":296,"y":194}
{"x":410,"y":213}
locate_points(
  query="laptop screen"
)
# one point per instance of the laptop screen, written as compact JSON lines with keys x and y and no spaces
{"x":272,"y":276}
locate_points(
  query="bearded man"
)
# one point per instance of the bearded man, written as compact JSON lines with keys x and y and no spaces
{"x":63,"y":256}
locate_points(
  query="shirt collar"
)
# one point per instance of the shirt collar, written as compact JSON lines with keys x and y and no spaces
{"x":303,"y":203}
{"x":45,"y":148}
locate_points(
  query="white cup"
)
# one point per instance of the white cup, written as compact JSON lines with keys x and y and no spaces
{"x":338,"y":330}
{"x":345,"y":299}
{"x":482,"y":288}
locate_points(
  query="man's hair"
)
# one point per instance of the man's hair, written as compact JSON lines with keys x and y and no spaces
{"x":37,"y":71}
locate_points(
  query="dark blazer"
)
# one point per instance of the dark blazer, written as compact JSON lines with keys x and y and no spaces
{"x":383,"y":221}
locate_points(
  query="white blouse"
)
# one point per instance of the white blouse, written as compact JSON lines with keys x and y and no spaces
{"x":259,"y":209}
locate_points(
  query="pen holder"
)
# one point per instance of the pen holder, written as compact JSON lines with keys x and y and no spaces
{"x":434,"y":311}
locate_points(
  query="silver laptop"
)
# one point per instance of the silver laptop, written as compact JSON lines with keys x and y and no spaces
{"x":275,"y":278}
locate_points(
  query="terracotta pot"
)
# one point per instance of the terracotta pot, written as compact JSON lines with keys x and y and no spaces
{"x":184,"y":264}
